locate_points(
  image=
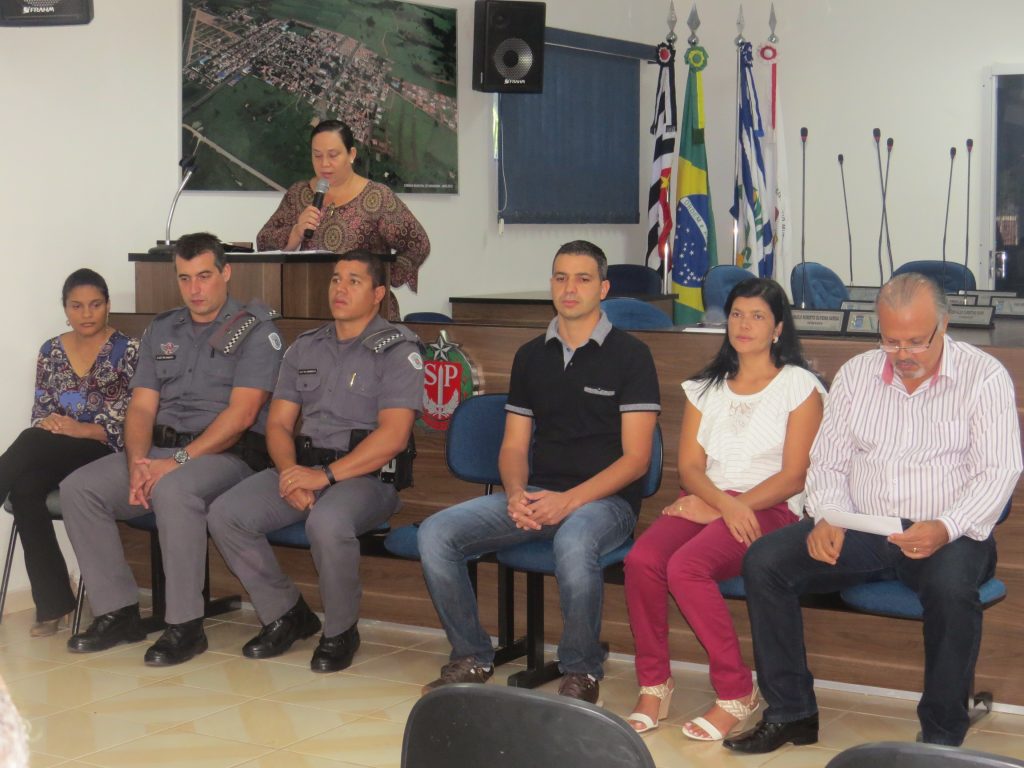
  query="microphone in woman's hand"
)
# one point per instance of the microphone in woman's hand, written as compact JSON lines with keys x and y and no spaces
{"x":318,"y":200}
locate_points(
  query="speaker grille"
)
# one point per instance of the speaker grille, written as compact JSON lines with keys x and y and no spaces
{"x":513,"y":58}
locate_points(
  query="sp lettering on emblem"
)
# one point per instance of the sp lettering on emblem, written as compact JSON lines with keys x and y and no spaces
{"x":448,"y":379}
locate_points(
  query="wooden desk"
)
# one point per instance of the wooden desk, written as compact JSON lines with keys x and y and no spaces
{"x":853,"y":648}
{"x":532,"y":308}
{"x":295,"y":284}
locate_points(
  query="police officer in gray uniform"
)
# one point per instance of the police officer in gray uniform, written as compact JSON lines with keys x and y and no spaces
{"x":199,"y":393}
{"x":357,"y":383}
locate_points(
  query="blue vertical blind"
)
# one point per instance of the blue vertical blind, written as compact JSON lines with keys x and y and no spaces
{"x":570,"y":155}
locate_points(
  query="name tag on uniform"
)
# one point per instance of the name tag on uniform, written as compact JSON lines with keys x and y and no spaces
{"x":307,"y":371}
{"x":166,"y":357}
{"x":599,"y":391}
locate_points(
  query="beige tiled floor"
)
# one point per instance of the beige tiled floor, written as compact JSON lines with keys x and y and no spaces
{"x":221,"y":709}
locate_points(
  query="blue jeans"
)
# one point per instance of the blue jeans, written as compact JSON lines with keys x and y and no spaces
{"x":778,"y":569}
{"x":482,"y":525}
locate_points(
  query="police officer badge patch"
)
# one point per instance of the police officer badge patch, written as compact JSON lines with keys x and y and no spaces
{"x":275,"y":341}
{"x":416,"y":361}
{"x":448,"y":378}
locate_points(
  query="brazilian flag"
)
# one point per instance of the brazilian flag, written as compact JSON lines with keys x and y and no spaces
{"x":694,"y":249}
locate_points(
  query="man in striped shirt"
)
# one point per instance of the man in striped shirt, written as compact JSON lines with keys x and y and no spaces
{"x":924,"y":429}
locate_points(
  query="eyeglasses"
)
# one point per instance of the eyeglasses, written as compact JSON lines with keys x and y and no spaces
{"x":913,"y":349}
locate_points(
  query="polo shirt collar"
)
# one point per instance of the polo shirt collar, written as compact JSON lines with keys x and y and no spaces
{"x":599,"y":334}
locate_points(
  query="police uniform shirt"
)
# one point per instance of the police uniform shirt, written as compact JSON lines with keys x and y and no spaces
{"x":185,"y":362}
{"x":576,"y":399}
{"x":341,"y":385}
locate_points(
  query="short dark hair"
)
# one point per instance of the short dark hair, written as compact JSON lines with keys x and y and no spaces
{"x":786,"y":351}
{"x":188,"y":247}
{"x":372,"y":261}
{"x":585,"y":248}
{"x":81,"y":277}
{"x":338,"y":127}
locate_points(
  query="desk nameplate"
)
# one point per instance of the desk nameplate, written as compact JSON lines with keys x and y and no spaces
{"x":1008,"y":307}
{"x":819,"y":320}
{"x":971,"y":317}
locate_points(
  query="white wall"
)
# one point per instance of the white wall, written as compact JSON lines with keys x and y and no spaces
{"x":89,"y":144}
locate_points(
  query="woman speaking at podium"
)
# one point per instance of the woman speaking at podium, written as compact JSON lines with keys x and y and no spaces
{"x":356,"y":212}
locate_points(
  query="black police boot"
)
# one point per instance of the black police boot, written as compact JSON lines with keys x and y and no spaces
{"x":277,"y":637}
{"x":110,"y":629}
{"x":335,"y":653}
{"x":178,"y":644}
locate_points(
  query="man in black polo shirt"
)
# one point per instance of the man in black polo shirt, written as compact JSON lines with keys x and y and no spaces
{"x":591,"y":391}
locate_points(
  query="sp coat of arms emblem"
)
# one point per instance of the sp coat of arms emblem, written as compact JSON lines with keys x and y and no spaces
{"x":448,"y":378}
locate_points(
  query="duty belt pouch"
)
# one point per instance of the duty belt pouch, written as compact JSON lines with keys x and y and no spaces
{"x":253,"y":452}
{"x":398,"y":471}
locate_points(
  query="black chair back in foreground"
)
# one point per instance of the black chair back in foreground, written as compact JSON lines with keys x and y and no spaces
{"x":492,"y":726}
{"x":907,"y":754}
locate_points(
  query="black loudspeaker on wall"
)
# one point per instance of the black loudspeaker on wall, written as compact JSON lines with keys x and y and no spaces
{"x":508,"y":46}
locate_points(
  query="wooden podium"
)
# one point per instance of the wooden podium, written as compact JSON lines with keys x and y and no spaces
{"x":295,"y":284}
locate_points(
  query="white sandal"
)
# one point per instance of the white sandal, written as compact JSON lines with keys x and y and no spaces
{"x":661,"y":692}
{"x":738,"y":708}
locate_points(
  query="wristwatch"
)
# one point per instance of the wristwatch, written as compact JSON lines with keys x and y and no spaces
{"x":330,"y":475}
{"x":181,"y":456}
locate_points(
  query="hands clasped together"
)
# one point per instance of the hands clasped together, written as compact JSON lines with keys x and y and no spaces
{"x":531,"y":510}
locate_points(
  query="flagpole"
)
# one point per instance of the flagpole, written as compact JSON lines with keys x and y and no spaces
{"x":670,"y":38}
{"x":664,"y":129}
{"x":740,"y":40}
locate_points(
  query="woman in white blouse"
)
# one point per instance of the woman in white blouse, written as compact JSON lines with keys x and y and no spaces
{"x":750,"y":418}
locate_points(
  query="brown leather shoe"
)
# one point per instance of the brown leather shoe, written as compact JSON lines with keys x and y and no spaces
{"x":580,"y":686}
{"x":460,"y":671}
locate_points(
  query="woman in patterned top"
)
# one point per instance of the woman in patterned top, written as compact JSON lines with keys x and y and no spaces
{"x":744,"y":447}
{"x":357,"y":213}
{"x":78,"y":416}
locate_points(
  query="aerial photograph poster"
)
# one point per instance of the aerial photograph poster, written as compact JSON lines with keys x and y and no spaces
{"x":257,"y":75}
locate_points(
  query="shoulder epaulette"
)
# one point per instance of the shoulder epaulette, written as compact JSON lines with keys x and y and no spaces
{"x":386,"y":338}
{"x":238,"y":326}
{"x":261,"y":311}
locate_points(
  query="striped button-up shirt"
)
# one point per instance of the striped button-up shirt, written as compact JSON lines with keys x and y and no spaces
{"x":949,"y":451}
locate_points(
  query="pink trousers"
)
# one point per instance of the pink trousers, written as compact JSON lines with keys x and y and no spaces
{"x":687,"y":560}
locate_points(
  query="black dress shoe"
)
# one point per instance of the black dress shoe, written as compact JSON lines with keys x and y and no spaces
{"x":335,"y":653}
{"x":121,"y":626}
{"x":767,"y":737}
{"x":178,"y":644}
{"x":277,"y":637}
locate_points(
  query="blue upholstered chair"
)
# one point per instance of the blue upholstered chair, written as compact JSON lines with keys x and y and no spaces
{"x":470,"y":725}
{"x":718,"y":282}
{"x":951,"y":276}
{"x":536,"y":559}
{"x":53,"y":507}
{"x":426,"y":317}
{"x":824,"y":288}
{"x":473,"y":441}
{"x":474,"y":438}
{"x":628,"y":279}
{"x":894,"y":598}
{"x":634,"y":315}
